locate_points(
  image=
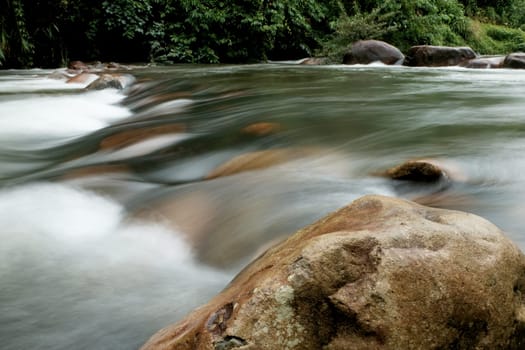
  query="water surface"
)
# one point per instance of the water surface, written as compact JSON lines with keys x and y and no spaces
{"x":113,"y":226}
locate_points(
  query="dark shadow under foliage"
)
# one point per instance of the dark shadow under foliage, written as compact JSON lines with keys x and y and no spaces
{"x":50,"y":33}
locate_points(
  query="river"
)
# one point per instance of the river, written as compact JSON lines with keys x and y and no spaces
{"x":116,"y":220}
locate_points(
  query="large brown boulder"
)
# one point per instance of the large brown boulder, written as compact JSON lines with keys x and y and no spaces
{"x":435,"y":56}
{"x":514,"y":60}
{"x":382,"y":273}
{"x":368,"y":51}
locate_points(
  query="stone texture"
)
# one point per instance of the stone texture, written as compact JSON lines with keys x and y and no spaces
{"x":382,"y":273}
{"x":435,"y":56}
{"x":514,"y":60}
{"x":368,"y":51}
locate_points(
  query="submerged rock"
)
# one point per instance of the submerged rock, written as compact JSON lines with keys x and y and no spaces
{"x":130,"y":136}
{"x":261,"y":129}
{"x":382,"y":273}
{"x":258,"y":160}
{"x":435,"y":56}
{"x":368,"y":51}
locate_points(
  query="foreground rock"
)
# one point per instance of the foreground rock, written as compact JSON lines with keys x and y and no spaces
{"x":381,"y":273}
{"x":368,"y":51}
{"x":514,"y":60}
{"x":435,"y":56}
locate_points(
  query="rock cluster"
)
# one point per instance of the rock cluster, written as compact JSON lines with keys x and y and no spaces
{"x":382,"y":273}
{"x":95,"y":75}
{"x":369,"y":51}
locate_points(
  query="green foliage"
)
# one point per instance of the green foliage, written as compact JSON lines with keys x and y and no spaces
{"x":430,"y":22}
{"x":236,"y":31}
{"x":497,"y":39}
{"x":402,"y":23}
{"x":128,"y":18}
{"x":375,"y":24}
{"x":16,"y":47}
{"x":48,"y":33}
{"x":504,"y":12}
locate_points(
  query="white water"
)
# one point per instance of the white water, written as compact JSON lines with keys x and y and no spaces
{"x":104,"y":260}
{"x":51,"y":117}
{"x":71,"y":266}
{"x":75,"y":272}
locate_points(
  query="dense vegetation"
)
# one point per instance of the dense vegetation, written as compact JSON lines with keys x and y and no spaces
{"x":49,"y":33}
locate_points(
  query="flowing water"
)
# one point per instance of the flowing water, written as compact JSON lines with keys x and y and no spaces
{"x":115,"y":219}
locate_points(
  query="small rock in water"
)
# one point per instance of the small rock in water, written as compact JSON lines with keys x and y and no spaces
{"x":130,"y":136}
{"x":261,"y":129}
{"x":78,"y":66}
{"x":514,"y":60}
{"x":418,"y":171}
{"x":485,"y":62}
{"x":115,"y":81}
{"x":314,"y":61}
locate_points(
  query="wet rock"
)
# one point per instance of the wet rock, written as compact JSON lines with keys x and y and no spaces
{"x":382,"y":273}
{"x":256,"y":160}
{"x":127,"y":137}
{"x":485,"y":62}
{"x":83,"y":78}
{"x":368,"y":51}
{"x":261,"y":129}
{"x":416,"y":170}
{"x":514,"y":60}
{"x":60,"y":74}
{"x":314,"y":61}
{"x":78,"y":66}
{"x":435,"y":56}
{"x":114,"y":81}
{"x":192,"y":214}
{"x":113,"y":65}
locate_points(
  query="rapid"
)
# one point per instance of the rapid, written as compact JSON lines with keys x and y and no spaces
{"x":121,"y":211}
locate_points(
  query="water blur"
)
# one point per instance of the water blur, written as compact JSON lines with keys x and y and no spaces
{"x":122,"y":211}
